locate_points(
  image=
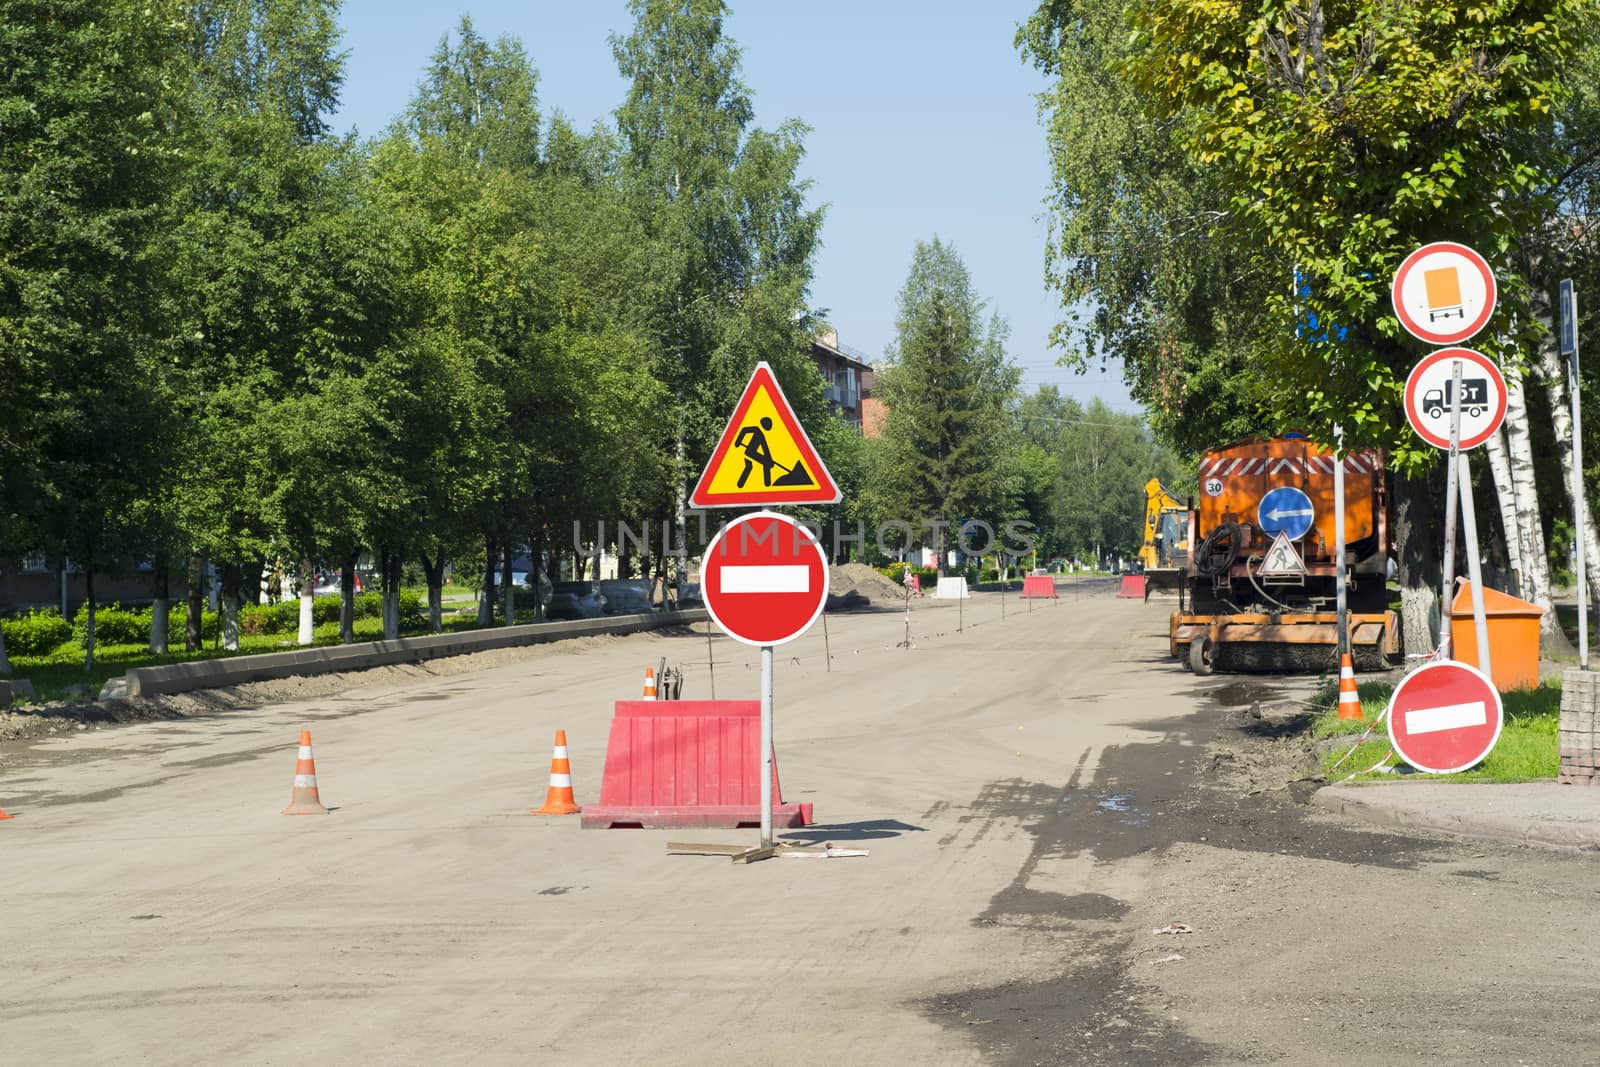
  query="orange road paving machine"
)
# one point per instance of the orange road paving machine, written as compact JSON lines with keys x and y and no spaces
{"x":1258,"y":591}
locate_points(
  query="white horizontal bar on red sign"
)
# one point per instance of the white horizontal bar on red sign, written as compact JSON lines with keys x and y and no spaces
{"x":765,"y":578}
{"x":1448,"y":717}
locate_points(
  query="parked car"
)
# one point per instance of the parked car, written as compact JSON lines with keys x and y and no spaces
{"x":575,"y":600}
{"x":627,"y":596}
{"x":689,"y":595}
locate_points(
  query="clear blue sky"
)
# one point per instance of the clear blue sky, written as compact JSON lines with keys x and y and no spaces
{"x":923,"y":123}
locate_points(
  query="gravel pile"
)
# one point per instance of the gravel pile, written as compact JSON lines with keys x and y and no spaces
{"x":864,"y":581}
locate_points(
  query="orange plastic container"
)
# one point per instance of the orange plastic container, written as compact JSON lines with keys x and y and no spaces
{"x":1513,"y":636}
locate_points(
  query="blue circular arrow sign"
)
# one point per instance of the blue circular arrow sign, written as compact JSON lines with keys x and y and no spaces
{"x":1286,"y":510}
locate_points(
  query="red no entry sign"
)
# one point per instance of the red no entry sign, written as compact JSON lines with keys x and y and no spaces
{"x":765,"y":579}
{"x":1444,"y":717}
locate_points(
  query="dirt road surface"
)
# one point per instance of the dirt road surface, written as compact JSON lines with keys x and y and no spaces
{"x":1039,"y":793}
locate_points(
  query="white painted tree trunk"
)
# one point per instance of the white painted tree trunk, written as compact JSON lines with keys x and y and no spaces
{"x":159,"y":609}
{"x":1555,"y":381}
{"x":308,"y":622}
{"x":1500,"y":470}
{"x":1536,"y":566}
{"x":5,"y":661}
{"x":228,"y":620}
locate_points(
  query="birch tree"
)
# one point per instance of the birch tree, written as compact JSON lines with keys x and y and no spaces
{"x":1506,"y":505}
{"x":1554,"y":377}
{"x":1530,"y":531}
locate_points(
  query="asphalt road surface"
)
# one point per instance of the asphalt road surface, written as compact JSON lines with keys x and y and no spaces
{"x":1039,"y":793}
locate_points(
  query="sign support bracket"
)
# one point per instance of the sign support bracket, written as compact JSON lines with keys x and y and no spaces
{"x":1469,"y":522}
{"x":1452,"y":472}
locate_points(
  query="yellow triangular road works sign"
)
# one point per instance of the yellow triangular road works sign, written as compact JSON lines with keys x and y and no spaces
{"x":764,"y":456}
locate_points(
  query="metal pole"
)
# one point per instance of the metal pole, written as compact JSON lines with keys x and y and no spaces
{"x":711,"y":662}
{"x":1338,"y":542}
{"x":827,"y":648}
{"x":1450,"y":497}
{"x":1469,"y":520}
{"x":1578,"y":507}
{"x":766,"y":746}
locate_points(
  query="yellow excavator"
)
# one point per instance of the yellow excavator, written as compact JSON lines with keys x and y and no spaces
{"x":1164,"y":556}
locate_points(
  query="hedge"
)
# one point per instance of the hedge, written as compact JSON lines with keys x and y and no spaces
{"x":38,"y":633}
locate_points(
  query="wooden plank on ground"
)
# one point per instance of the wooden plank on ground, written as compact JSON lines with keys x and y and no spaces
{"x":688,"y":848}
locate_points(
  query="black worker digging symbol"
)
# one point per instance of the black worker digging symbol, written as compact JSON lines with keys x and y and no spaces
{"x":753,"y":440}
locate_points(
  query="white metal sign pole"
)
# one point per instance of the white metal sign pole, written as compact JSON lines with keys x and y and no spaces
{"x":1578,"y":509}
{"x":1469,"y":522}
{"x":1340,"y":601}
{"x":766,"y":746}
{"x":1450,"y":494}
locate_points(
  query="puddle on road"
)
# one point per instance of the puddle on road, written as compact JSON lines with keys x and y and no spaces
{"x":1122,"y":804}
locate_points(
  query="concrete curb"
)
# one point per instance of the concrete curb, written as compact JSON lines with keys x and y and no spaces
{"x":1533,"y":814}
{"x":234,"y":670}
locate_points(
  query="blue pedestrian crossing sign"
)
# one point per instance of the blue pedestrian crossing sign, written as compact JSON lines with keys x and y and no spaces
{"x":1286,"y":510}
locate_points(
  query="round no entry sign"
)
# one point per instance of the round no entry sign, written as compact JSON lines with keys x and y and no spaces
{"x":1445,"y":717}
{"x":764,"y":579}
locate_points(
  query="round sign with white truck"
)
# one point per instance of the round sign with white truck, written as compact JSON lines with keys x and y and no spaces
{"x":1430,"y":393}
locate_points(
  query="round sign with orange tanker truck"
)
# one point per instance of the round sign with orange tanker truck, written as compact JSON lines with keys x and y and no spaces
{"x":1443,"y":293}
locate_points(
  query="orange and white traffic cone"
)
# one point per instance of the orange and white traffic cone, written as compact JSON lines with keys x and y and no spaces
{"x":559,"y":800}
{"x":305,"y":799}
{"x":1349,"y":699}
{"x":649,"y":683}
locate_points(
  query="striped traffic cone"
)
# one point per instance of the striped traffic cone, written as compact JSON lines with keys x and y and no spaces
{"x":305,"y":800}
{"x":559,"y":800}
{"x":649,"y":683}
{"x":1349,"y":700}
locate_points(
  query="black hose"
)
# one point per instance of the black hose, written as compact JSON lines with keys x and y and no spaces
{"x":1207,"y":558}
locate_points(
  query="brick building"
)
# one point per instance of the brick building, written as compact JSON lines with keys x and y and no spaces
{"x":848,"y":378}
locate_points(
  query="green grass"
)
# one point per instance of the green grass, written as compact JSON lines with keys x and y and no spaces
{"x":1528,"y":749}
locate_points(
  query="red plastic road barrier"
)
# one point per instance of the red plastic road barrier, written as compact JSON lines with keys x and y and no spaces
{"x":1132,"y":587}
{"x":674,"y":763}
{"x":1039,"y":585}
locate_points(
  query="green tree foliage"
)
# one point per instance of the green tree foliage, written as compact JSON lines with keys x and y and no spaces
{"x":1084,"y":472}
{"x":284,"y":282}
{"x":227,"y":331}
{"x":1319,"y":144}
{"x":722,"y":207}
{"x":86,"y":122}
{"x":947,"y":441}
{"x":1331,"y":139}
{"x":1131,"y":246}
